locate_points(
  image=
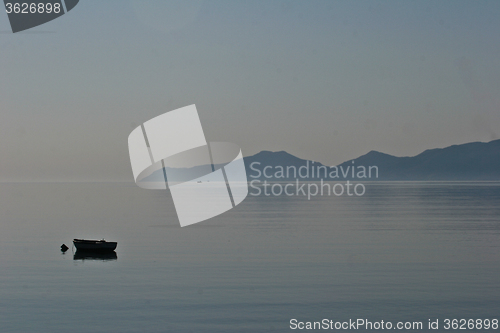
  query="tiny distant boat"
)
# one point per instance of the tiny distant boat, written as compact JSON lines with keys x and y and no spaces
{"x":94,"y":245}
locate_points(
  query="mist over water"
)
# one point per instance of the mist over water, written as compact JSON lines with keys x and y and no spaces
{"x":403,"y":251}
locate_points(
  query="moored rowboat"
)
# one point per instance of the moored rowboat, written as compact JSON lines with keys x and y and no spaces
{"x":94,"y":245}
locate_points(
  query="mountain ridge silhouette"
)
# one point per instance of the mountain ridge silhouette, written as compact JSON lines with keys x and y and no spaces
{"x":478,"y":161}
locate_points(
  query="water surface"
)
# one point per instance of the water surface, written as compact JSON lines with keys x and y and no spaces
{"x":403,"y":251}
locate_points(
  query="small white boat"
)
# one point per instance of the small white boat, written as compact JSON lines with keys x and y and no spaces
{"x":94,"y":245}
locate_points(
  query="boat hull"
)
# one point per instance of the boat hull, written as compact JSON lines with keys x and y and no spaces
{"x":94,"y":245}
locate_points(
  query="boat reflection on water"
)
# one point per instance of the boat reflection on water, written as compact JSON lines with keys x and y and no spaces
{"x":89,"y":255}
{"x":88,"y":249}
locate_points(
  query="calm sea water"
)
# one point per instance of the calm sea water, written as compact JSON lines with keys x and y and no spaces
{"x":401,"y":252}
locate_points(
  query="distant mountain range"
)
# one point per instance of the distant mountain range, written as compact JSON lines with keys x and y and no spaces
{"x":470,"y":161}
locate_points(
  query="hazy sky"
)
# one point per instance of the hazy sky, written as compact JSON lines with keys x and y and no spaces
{"x":323,"y":80}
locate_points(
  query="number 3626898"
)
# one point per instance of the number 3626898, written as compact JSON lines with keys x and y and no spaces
{"x":32,"y":8}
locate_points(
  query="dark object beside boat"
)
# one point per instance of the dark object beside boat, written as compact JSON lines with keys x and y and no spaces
{"x":94,"y":245}
{"x":64,"y":248}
